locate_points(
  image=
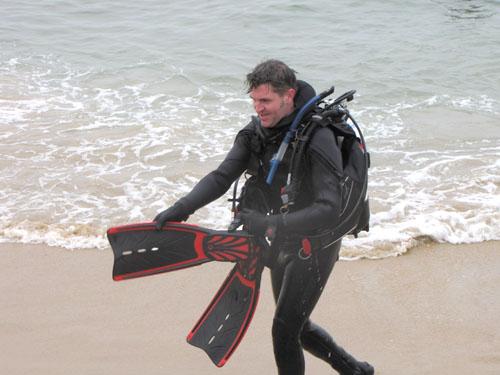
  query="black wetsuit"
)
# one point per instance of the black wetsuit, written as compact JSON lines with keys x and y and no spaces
{"x":297,"y":283}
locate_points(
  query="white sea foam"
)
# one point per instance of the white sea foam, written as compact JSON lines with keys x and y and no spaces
{"x":95,"y":137}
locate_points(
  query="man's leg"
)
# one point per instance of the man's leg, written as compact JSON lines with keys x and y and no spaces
{"x":319,"y":343}
{"x":297,"y":285}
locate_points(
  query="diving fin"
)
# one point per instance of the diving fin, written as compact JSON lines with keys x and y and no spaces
{"x":142,"y":250}
{"x":226,"y":320}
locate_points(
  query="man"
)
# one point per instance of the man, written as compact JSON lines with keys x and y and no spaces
{"x":297,"y":276}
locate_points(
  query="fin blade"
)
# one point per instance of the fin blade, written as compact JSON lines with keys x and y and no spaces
{"x":142,"y":250}
{"x":226,"y":320}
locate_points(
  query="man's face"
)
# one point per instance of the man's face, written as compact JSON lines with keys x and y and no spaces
{"x":270,"y":106}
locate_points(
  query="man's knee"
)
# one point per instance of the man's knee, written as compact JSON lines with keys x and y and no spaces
{"x":284,"y":334}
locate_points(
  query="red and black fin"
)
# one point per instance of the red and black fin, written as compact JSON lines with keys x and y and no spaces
{"x":226,"y":320}
{"x":142,"y":250}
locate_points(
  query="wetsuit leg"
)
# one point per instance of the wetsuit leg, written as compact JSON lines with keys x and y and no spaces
{"x":297,"y":286}
{"x":319,"y":343}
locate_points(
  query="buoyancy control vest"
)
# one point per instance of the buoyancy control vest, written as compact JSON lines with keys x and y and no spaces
{"x":256,"y":194}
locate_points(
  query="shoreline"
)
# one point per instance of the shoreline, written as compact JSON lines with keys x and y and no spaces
{"x":433,"y":310}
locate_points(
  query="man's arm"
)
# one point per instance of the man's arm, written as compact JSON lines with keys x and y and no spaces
{"x":213,"y":185}
{"x":217,"y":182}
{"x":323,"y":212}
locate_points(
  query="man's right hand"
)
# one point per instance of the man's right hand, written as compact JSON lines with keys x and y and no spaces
{"x":175,"y":213}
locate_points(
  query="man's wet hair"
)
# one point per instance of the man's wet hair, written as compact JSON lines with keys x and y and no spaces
{"x":275,"y":73}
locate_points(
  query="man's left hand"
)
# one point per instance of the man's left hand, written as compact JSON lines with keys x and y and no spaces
{"x":259,"y":224}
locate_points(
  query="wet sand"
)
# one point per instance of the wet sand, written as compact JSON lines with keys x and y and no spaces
{"x":434,"y":310}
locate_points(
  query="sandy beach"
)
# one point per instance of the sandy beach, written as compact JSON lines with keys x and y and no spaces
{"x":433,"y":310}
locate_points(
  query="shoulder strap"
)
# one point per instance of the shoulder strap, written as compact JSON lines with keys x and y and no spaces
{"x":341,"y":128}
{"x":256,"y":146}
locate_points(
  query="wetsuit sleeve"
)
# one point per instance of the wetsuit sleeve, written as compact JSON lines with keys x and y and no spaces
{"x":325,"y":162}
{"x":217,"y":182}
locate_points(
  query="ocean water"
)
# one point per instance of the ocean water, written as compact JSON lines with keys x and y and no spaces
{"x":112,"y":110}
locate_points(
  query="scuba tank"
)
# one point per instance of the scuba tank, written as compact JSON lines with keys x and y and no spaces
{"x":355,"y":210}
